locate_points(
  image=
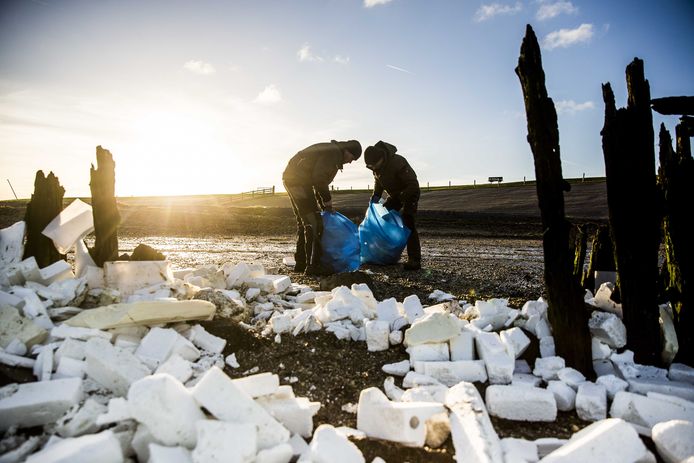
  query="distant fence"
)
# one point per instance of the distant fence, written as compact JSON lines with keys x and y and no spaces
{"x":260,"y":191}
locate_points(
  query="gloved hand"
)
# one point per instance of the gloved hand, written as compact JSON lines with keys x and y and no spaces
{"x":375,"y":198}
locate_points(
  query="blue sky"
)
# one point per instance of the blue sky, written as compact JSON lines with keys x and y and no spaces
{"x":202,"y":97}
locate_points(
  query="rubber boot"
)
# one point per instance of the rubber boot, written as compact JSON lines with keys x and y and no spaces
{"x":300,"y":254}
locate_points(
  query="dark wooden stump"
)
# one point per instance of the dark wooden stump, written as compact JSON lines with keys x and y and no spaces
{"x":567,"y":315}
{"x":106,"y":217}
{"x":45,"y":204}
{"x":579,"y":241}
{"x":627,"y":142}
{"x":601,"y":256}
{"x":676,"y":180}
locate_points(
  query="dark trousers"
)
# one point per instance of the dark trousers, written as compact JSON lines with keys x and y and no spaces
{"x":309,"y":225}
{"x":409,"y":212}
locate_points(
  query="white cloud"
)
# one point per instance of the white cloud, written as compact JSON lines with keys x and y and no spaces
{"x":571,"y":107}
{"x":199,"y":67}
{"x":566,"y":37}
{"x":551,"y":10}
{"x":305,"y":54}
{"x":486,"y":12}
{"x":372,"y":3}
{"x":341,"y":59}
{"x":270,"y":95}
{"x":399,"y":69}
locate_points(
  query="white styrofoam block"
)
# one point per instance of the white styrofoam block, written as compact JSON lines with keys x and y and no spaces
{"x":515,"y":340}
{"x":377,"y":332}
{"x":103,"y":447}
{"x":395,"y":338}
{"x":571,"y":377}
{"x":281,"y":323}
{"x":612,"y":385}
{"x":16,"y":360}
{"x":547,"y":348}
{"x":604,"y":367}
{"x":392,"y":391}
{"x":462,"y":347}
{"x":259,"y":384}
{"x":223,"y":399}
{"x":610,"y":440}
{"x":521,"y":403}
{"x":674,"y":440}
{"x":159,"y":344}
{"x":489,"y":344}
{"x":646,"y":412}
{"x":75,"y":332}
{"x":499,"y":368}
{"x":294,"y":413}
{"x":279,"y":454}
{"x":548,"y":367}
{"x":38,"y":403}
{"x":681,"y":372}
{"x":16,"y":347}
{"x":676,"y":388}
{"x":12,"y":244}
{"x":414,"y":379}
{"x":600,"y":350}
{"x":564,"y":395}
{"x":413,"y":308}
{"x":591,"y":402}
{"x":451,"y":373}
{"x":58,"y":270}
{"x":522,"y":366}
{"x":113,"y":368}
{"x":387,"y":310}
{"x":83,"y":421}
{"x":472,"y":432}
{"x":129,"y":276}
{"x":30,"y":269}
{"x":219,"y":441}
{"x":166,"y":407}
{"x":397,"y":369}
{"x":519,"y":450}
{"x":206,"y":341}
{"x":436,"y":393}
{"x":270,"y":283}
{"x":73,"y":223}
{"x":608,"y":328}
{"x":70,"y":368}
{"x":71,"y":348}
{"x":406,"y":421}
{"x":117,"y":411}
{"x":329,"y":446}
{"x":538,"y":307}
{"x":431,"y":328}
{"x":161,"y":454}
{"x":178,"y":367}
{"x":525,"y":379}
{"x":429,"y":352}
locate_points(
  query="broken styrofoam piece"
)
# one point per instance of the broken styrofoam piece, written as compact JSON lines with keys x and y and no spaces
{"x":377,"y":332}
{"x":597,"y":442}
{"x":259,"y":384}
{"x":219,"y":441}
{"x":406,"y":421}
{"x":432,"y":328}
{"x":604,"y":367}
{"x":143,"y":313}
{"x":329,"y":446}
{"x":451,"y":373}
{"x":600,"y":350}
{"x":547,"y":348}
{"x":83,"y":421}
{"x":521,"y":403}
{"x":515,"y":340}
{"x":43,"y":368}
{"x":102,"y":447}
{"x":117,"y":411}
{"x":161,"y":454}
{"x":414,"y":379}
{"x":473,"y":435}
{"x":57,"y":271}
{"x":674,"y":440}
{"x":564,"y":395}
{"x":591,"y":402}
{"x":294,"y":413}
{"x":548,"y":367}
{"x":441,"y":296}
{"x":462,"y":347}
{"x":395,"y":338}
{"x":499,"y":368}
{"x":413,"y":308}
{"x":603,"y":299}
{"x":681,"y":372}
{"x":129,"y":276}
{"x":270,"y":283}
{"x":279,"y":454}
{"x":8,"y":299}
{"x":29,"y":270}
{"x":646,"y":412}
{"x":73,"y":223}
{"x":539,"y":326}
{"x":522,"y":366}
{"x":435,"y":393}
{"x":387,"y":310}
{"x":397,"y":369}
{"x":38,"y":403}
{"x":113,"y":368}
{"x":16,"y":347}
{"x":392,"y":391}
{"x":519,"y":450}
{"x":20,"y":453}
{"x":675,"y":388}
{"x":429,"y":352}
{"x":227,"y":402}
{"x":525,"y":379}
{"x":167,"y":408}
{"x":160,"y":344}
{"x":538,"y":307}
{"x":178,"y":367}
{"x":612,"y":385}
{"x":489,"y":344}
{"x":12,"y":244}
{"x":571,"y":377}
{"x":12,"y":360}
{"x":669,"y":335}
{"x":281,"y":323}
{"x":608,"y":328}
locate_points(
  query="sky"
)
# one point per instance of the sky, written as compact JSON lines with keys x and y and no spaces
{"x":213,"y":97}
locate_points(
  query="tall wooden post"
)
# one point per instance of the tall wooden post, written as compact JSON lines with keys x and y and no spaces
{"x":601,"y":256}
{"x":627,"y":143}
{"x":106,"y":217}
{"x":45,"y":204}
{"x":567,"y":315}
{"x":676,"y":179}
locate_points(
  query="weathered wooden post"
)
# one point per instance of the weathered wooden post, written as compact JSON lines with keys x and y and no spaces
{"x":676,"y":180}
{"x":567,"y":314}
{"x":601,"y":257}
{"x":106,"y":217}
{"x":579,"y":244}
{"x":627,"y":143}
{"x":45,"y":204}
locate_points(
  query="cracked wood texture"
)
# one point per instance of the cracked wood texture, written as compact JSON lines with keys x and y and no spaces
{"x":45,"y":204}
{"x":106,"y":216}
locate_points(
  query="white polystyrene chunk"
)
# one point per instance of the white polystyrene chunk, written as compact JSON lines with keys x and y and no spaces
{"x":676,"y":388}
{"x":279,"y":454}
{"x":608,"y":328}
{"x":329,"y":446}
{"x":451,"y":373}
{"x":161,"y":454}
{"x":83,"y":421}
{"x":521,"y":403}
{"x":294,"y":413}
{"x":103,"y":447}
{"x":462,"y":347}
{"x":259,"y":384}
{"x":548,"y":367}
{"x":397,"y":369}
{"x":612,"y":385}
{"x":646,"y":412}
{"x":519,"y":450}
{"x":222,"y":442}
{"x":547,"y":347}
{"x":73,"y":223}
{"x":515,"y":340}
{"x":12,"y":244}
{"x":178,"y":367}
{"x":499,"y":368}
{"x":681,"y":372}
{"x":571,"y":377}
{"x":129,"y":276}
{"x":377,"y":332}
{"x":674,"y":440}
{"x":413,"y":308}
{"x":111,"y":367}
{"x":206,"y":341}
{"x":564,"y":395}
{"x":429,"y":352}
{"x":434,"y":327}
{"x":591,"y":402}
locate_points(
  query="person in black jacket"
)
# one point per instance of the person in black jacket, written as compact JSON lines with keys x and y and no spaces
{"x":393,"y":174}
{"x":307,"y":178}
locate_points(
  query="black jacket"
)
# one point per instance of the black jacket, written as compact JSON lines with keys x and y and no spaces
{"x":316,"y":167}
{"x":395,"y":176}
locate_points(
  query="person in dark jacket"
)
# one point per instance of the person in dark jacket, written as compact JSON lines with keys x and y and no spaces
{"x":393,"y":174}
{"x":307,"y":178}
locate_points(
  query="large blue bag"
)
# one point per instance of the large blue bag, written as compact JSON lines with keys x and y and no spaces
{"x":340,"y":242}
{"x":382,"y":235}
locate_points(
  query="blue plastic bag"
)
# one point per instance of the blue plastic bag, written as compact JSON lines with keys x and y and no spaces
{"x":382,"y":235}
{"x":340,"y":243}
